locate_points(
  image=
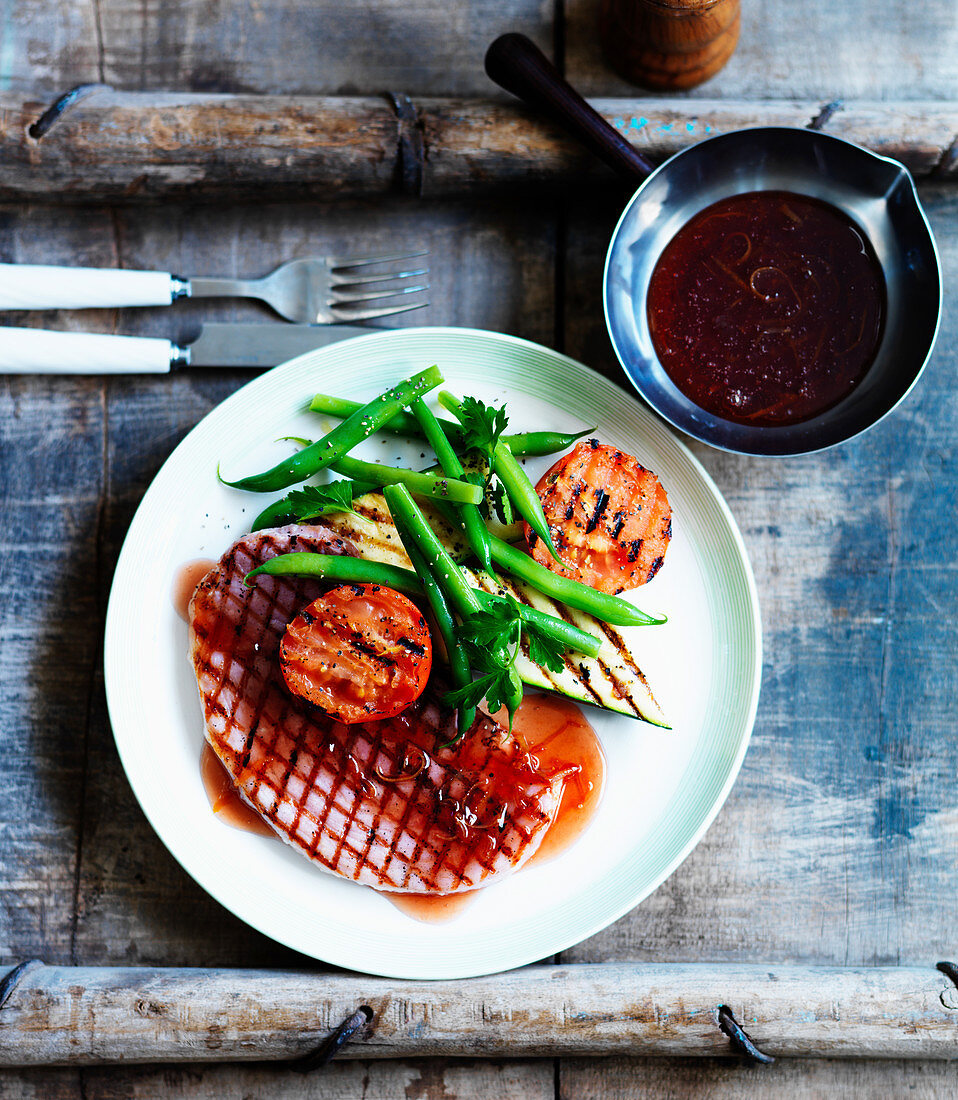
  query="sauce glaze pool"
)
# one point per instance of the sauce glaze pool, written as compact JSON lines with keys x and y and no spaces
{"x":554,"y":730}
{"x":767,"y":307}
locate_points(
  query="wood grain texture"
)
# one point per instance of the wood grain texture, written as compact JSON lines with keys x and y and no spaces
{"x":408,"y":1080}
{"x":52,"y":488}
{"x":837,"y":843}
{"x":816,"y":49}
{"x":308,"y":46}
{"x":690,"y":1079}
{"x":124,"y":147}
{"x":109,"y":1015}
{"x":326,"y":47}
{"x":47,"y":45}
{"x":432,"y":1079}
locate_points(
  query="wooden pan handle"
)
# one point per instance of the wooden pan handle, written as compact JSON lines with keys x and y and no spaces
{"x":517,"y":64}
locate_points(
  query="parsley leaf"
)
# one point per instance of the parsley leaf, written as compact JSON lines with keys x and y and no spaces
{"x":497,"y":624}
{"x":543,"y":650}
{"x":470,"y":695}
{"x":483,"y":425}
{"x":500,"y":627}
{"x":313,"y":501}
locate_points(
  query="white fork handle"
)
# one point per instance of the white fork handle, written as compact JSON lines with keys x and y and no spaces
{"x":36,"y":286}
{"x":37,"y":351}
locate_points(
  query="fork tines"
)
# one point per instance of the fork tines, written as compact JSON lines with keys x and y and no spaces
{"x":349,"y":282}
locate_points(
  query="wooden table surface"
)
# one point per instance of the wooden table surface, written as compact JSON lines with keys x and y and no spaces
{"x":839,"y":842}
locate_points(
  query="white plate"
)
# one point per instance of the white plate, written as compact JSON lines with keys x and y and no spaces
{"x":664,"y":787}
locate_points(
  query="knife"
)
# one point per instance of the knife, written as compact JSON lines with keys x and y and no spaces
{"x":40,"y":351}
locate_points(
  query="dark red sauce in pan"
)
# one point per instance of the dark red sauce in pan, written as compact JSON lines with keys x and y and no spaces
{"x":767,"y":307}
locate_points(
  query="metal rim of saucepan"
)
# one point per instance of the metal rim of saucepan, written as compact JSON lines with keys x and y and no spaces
{"x":877,"y":193}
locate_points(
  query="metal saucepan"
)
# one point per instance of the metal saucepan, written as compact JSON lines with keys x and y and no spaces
{"x":875,"y":192}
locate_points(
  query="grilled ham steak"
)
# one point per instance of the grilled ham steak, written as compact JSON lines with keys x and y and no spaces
{"x":382,"y":803}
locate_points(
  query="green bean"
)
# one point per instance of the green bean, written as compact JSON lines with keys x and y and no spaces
{"x":523,"y":494}
{"x":514,"y":479}
{"x":277,"y":514}
{"x":609,"y":609}
{"x":459,"y":668}
{"x":349,"y":570}
{"x":530,"y":444}
{"x":285,"y":510}
{"x":472,"y":521}
{"x":407,"y":517}
{"x":362,"y":423}
{"x":422,"y":484}
{"x":522,"y":444}
{"x":401,"y":424}
{"x":412,"y":525}
{"x":339,"y":567}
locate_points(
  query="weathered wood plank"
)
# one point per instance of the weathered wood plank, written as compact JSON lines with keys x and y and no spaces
{"x":297,"y":47}
{"x":326,"y":47}
{"x":696,"y":1079}
{"x":48,"y":45}
{"x":41,"y":1084}
{"x":410,"y":1080}
{"x":309,"y":46}
{"x":126,"y":147}
{"x":51,"y":489}
{"x":96,"y":1016}
{"x":815,"y":49}
{"x":837,"y":842}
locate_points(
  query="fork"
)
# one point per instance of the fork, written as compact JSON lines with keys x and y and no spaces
{"x":314,"y":291}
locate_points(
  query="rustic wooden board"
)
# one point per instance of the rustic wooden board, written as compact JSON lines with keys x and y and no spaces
{"x":308,"y":45}
{"x":51,"y":481}
{"x":112,"y":1015}
{"x":843,"y":819}
{"x":258,"y":45}
{"x":805,"y":1080}
{"x":580,"y":1079}
{"x":408,"y":1080}
{"x":431,"y":1079}
{"x":48,"y":45}
{"x":142,"y":147}
{"x":294,"y":46}
{"x":815,"y":48}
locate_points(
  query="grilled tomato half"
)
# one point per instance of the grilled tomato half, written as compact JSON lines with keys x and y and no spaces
{"x":609,"y":518}
{"x":361,"y":652}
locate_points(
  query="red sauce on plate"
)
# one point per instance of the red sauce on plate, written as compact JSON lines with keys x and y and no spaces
{"x":430,"y":908}
{"x":557,"y":737}
{"x":767,"y":308}
{"x":187,"y":578}
{"x":224,"y":801}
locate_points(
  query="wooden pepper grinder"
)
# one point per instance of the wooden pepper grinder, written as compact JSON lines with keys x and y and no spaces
{"x":667,"y":44}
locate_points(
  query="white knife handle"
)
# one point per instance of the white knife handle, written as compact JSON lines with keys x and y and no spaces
{"x":35,"y":286}
{"x":37,"y":351}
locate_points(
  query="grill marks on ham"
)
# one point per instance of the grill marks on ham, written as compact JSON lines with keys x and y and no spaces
{"x":467,"y":813}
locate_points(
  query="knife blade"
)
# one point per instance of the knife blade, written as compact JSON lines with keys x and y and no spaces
{"x":219,"y":344}
{"x":223,"y":344}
